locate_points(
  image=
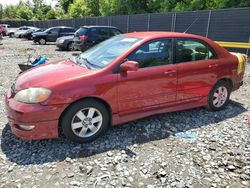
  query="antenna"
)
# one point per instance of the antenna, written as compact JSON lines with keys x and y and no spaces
{"x":191,"y":24}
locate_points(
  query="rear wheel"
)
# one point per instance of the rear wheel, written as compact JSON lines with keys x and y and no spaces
{"x":85,"y":121}
{"x":42,"y":41}
{"x":219,"y":96}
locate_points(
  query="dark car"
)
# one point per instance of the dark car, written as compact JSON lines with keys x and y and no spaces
{"x":52,"y":34}
{"x":88,"y":36}
{"x":28,"y":33}
{"x":65,"y":43}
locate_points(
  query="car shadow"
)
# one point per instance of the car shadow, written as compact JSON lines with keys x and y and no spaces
{"x":117,"y":138}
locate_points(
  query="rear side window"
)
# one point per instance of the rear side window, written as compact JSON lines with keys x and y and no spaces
{"x":81,"y":31}
{"x":114,"y":32}
{"x":192,"y":50}
{"x":68,"y":30}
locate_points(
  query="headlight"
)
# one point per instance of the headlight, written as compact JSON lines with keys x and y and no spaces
{"x":60,"y":41}
{"x":32,"y":95}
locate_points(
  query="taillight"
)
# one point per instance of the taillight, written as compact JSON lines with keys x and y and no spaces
{"x":83,"y":37}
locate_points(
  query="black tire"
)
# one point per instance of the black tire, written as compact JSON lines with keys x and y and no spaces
{"x":212,"y":99}
{"x":42,"y":41}
{"x":70,"y":46}
{"x":71,"y":113}
{"x":11,"y":35}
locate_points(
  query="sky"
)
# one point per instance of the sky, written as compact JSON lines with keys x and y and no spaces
{"x":14,"y":2}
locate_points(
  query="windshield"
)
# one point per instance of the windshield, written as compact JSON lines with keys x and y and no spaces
{"x":104,"y":53}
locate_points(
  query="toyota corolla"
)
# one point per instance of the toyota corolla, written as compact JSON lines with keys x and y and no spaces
{"x":124,"y":78}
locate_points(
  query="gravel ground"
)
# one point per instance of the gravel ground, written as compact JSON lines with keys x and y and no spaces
{"x":145,"y":153}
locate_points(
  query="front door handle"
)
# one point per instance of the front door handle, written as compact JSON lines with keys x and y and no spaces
{"x":213,"y":65}
{"x":169,"y":72}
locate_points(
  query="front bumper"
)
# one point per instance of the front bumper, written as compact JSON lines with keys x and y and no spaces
{"x":44,"y":119}
{"x":60,"y":45}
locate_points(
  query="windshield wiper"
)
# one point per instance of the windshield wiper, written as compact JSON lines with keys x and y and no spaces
{"x":87,"y":63}
{"x":82,"y":62}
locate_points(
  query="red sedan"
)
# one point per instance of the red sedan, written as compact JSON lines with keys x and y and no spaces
{"x":125,"y":78}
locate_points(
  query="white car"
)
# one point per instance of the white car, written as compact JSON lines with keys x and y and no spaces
{"x":21,"y":30}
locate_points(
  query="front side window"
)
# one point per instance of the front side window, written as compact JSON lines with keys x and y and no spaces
{"x":154,"y":53}
{"x":53,"y":30}
{"x":192,"y":50}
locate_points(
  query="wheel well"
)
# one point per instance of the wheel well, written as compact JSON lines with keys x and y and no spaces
{"x":229,"y":81}
{"x":95,"y":98}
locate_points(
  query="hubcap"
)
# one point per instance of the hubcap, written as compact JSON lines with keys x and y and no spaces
{"x":42,"y":41}
{"x":220,"y":96}
{"x":86,"y":122}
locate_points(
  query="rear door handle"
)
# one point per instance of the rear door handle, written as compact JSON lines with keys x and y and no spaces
{"x":169,"y":72}
{"x":213,"y":65}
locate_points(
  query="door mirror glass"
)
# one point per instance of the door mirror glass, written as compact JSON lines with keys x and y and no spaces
{"x":130,"y":66}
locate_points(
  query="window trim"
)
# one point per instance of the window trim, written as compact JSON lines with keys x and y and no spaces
{"x":193,"y":39}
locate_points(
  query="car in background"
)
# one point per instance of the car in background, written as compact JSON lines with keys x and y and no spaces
{"x":21,"y":30}
{"x":52,"y":34}
{"x":10,"y":31}
{"x":28,"y":34}
{"x":65,"y":43}
{"x":3,"y":29}
{"x":88,"y":36}
{"x":122,"y":79}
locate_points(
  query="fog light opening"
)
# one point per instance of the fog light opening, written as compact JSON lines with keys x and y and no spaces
{"x":27,"y":127}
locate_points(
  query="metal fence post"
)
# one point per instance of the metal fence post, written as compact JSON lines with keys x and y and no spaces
{"x":127,"y":23}
{"x":173,"y":22}
{"x":208,"y":22}
{"x":149,"y":19}
{"x":248,"y":48}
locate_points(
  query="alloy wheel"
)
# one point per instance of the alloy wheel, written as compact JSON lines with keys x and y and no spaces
{"x":86,"y":122}
{"x":220,"y":96}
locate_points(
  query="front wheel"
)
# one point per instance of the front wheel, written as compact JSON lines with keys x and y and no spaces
{"x":85,"y":121}
{"x":219,"y":96}
{"x":42,"y":41}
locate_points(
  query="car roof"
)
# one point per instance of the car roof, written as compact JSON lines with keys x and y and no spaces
{"x":98,"y":26}
{"x":152,"y":35}
{"x":62,"y":27}
{"x":222,"y":52}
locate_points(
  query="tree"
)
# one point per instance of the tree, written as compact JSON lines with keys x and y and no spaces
{"x":65,"y":4}
{"x":24,"y":12}
{"x":78,"y":9}
{"x":1,"y":11}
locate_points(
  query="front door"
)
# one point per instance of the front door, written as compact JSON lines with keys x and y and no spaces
{"x":154,"y":84}
{"x":53,"y":34}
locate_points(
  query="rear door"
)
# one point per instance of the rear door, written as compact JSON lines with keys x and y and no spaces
{"x":66,"y":32}
{"x":197,"y":67}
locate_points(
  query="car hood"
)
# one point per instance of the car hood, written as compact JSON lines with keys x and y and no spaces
{"x":67,"y":37}
{"x":50,"y":74}
{"x":40,"y":33}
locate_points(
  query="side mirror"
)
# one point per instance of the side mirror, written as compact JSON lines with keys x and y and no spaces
{"x":130,"y":66}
